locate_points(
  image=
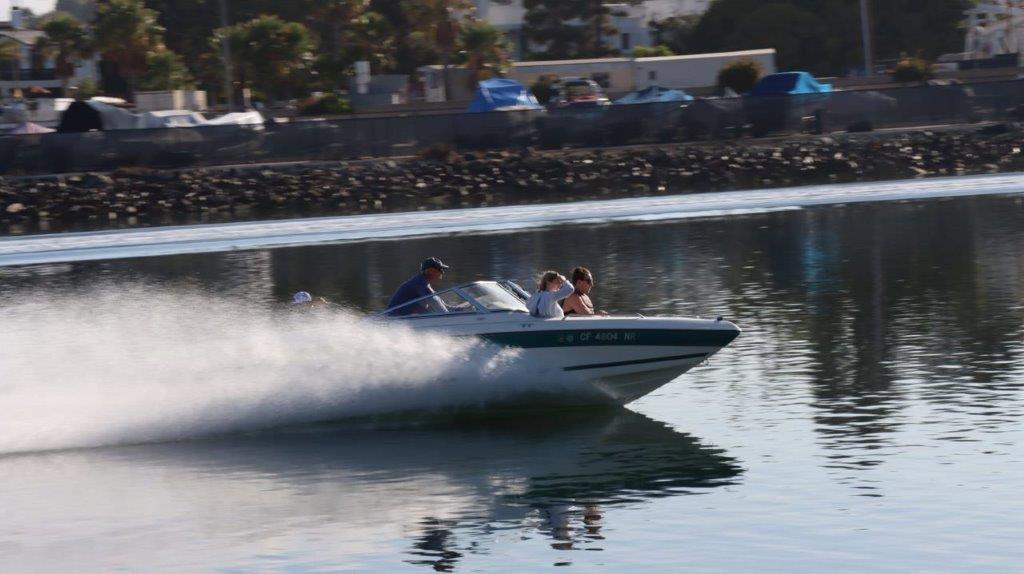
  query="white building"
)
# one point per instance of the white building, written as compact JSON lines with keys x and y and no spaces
{"x":28,"y":72}
{"x":633,"y":26}
{"x":994,"y":29}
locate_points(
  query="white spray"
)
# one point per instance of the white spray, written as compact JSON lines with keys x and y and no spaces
{"x":130,"y":365}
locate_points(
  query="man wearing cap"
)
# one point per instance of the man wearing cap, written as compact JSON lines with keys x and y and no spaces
{"x":420,"y":285}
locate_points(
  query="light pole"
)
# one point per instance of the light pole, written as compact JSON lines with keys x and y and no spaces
{"x":225,"y":46}
{"x":865,"y":33}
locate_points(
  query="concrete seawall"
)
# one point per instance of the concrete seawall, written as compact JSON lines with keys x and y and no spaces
{"x":445,"y":179}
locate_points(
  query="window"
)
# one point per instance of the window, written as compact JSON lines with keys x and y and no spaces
{"x":494,"y":298}
{"x":624,"y":38}
{"x":603,"y":79}
{"x":447,"y":301}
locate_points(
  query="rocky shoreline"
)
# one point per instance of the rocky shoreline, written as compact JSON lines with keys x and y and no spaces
{"x":444,"y":179}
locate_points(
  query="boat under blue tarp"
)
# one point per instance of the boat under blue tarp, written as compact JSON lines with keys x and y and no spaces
{"x":655,"y":94}
{"x":500,"y":94}
{"x":789,"y":83}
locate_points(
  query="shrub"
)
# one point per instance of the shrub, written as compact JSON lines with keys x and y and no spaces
{"x":87,"y":89}
{"x":740,"y":75}
{"x":652,"y":51}
{"x":543,"y":88}
{"x":911,"y":70}
{"x":325,"y":105}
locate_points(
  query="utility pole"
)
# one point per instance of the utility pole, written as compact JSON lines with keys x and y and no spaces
{"x":225,"y":46}
{"x":865,"y":33}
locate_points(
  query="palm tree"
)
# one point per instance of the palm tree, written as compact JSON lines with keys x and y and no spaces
{"x":126,"y":32}
{"x":66,"y":42}
{"x":485,"y":49}
{"x":440,"y":20}
{"x":372,"y":39}
{"x":270,"y":52}
{"x":340,"y":14}
{"x":166,"y":70}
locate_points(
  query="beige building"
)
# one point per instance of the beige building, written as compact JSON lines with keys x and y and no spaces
{"x":622,"y":75}
{"x":616,"y":75}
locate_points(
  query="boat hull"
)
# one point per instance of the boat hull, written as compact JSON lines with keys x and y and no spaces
{"x":620,"y":359}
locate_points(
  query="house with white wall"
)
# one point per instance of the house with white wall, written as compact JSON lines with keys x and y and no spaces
{"x":631,"y":22}
{"x":994,"y":28}
{"x":28,"y":71}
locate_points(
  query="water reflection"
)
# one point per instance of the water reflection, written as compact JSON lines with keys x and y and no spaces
{"x":447,"y":484}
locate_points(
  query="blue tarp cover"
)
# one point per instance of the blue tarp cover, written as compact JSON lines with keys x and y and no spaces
{"x":501,"y":93}
{"x":789,"y":83}
{"x":654,"y":94}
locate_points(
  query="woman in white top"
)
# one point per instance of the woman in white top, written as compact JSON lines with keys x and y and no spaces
{"x":553,"y":288}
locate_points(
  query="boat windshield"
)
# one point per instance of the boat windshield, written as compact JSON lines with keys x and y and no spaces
{"x":447,"y":301}
{"x":480,"y":297}
{"x":493,"y":297}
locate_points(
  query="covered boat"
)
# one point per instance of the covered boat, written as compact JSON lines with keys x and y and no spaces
{"x":620,"y":358}
{"x":655,"y":95}
{"x":789,"y":83}
{"x":502,"y":94}
{"x":787,"y":101}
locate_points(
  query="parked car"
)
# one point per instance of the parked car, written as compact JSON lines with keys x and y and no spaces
{"x":578,"y":92}
{"x":576,"y":114}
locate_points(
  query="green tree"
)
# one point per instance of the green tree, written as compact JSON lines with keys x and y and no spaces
{"x":166,"y":70}
{"x":87,"y":89}
{"x":270,"y":53}
{"x":484,"y":49}
{"x":912,"y":70}
{"x":823,"y":36}
{"x":371,"y":38}
{"x":571,"y":28}
{"x":126,"y":32}
{"x":66,"y":42}
{"x":652,"y":51}
{"x":83,"y":10}
{"x":338,"y":15}
{"x":440,"y":22}
{"x":413,"y":49}
{"x":740,"y":76}
{"x":675,"y":32}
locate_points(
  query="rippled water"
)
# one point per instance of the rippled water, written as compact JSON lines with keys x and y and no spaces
{"x":868,"y":419}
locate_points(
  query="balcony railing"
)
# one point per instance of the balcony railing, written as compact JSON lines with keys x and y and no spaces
{"x":27,"y":75}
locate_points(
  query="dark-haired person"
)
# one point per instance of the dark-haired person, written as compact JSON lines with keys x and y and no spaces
{"x":579,"y":302}
{"x":420,"y":285}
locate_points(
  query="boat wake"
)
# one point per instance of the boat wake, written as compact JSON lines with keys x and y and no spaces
{"x":212,"y":238}
{"x":129,"y":365}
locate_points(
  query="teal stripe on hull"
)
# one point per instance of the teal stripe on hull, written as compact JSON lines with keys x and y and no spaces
{"x":614,"y":337}
{"x":636,"y":362}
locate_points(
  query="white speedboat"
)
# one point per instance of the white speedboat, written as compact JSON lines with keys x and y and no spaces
{"x":623,"y":358}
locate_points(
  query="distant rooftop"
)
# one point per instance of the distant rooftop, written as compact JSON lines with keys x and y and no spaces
{"x":27,"y":37}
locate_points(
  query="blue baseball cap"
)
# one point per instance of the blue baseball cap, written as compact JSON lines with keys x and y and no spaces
{"x":433,"y":263}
